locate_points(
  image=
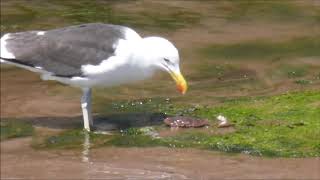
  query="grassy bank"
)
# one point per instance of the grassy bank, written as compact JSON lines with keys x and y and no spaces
{"x":279,"y":126}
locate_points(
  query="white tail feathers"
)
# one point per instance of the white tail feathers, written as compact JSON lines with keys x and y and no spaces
{"x":4,"y":52}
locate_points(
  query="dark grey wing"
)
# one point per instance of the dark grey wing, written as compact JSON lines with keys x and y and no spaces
{"x":63,"y":51}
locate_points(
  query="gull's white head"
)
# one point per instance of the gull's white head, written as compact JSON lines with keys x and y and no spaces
{"x":158,"y":53}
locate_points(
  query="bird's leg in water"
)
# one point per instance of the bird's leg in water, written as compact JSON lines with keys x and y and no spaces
{"x":86,"y":148}
{"x":86,"y":108}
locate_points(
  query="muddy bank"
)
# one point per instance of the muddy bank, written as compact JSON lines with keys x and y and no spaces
{"x":21,"y":161}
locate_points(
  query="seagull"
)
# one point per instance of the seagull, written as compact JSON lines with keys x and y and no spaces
{"x":92,"y":55}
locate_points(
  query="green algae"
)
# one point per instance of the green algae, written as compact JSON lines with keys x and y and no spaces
{"x":14,"y":128}
{"x":275,"y":11}
{"x":23,"y":15}
{"x":284,"y":125}
{"x":262,"y":50}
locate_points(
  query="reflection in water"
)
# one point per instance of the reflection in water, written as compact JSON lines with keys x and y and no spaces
{"x":107,"y":171}
{"x":86,"y":144}
{"x":86,"y":147}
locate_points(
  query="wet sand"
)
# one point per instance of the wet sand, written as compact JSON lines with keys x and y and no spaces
{"x":19,"y":160}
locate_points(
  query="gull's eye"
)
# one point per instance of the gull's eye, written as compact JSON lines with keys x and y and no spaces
{"x":166,"y":60}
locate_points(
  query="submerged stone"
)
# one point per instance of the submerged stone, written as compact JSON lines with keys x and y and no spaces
{"x":185,"y":122}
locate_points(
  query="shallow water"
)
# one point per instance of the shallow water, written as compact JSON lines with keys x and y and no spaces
{"x":228,"y":50}
{"x":21,"y":161}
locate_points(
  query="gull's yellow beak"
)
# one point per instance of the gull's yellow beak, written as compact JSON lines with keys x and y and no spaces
{"x":181,"y":82}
